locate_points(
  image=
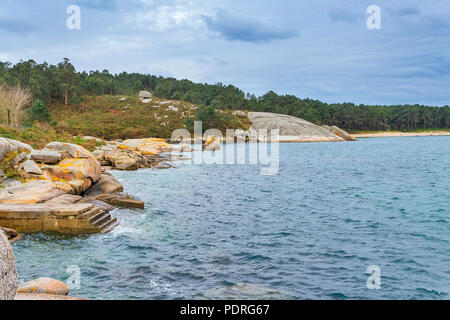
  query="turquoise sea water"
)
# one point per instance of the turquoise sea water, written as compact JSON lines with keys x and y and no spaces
{"x":309,"y":232}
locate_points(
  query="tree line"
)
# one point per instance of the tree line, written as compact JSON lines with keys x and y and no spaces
{"x":62,"y":83}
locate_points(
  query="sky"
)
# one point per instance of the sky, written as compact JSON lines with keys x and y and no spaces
{"x":318,"y":49}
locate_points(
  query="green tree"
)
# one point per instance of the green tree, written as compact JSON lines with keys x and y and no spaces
{"x":66,"y":77}
{"x":38,"y":112}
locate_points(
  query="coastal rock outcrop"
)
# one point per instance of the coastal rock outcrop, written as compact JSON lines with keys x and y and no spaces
{"x":291,"y":129}
{"x":8,"y":146}
{"x":31,"y":192}
{"x":46,"y":197}
{"x":341,"y":133}
{"x":63,"y":188}
{"x":133,"y":154}
{"x":44,"y":286}
{"x":8,"y":273}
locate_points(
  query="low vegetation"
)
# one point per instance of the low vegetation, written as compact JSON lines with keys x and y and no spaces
{"x":119,"y":117}
{"x":13,"y":100}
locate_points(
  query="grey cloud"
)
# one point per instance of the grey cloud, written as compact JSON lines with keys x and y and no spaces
{"x":237,"y":28}
{"x":339,"y":15}
{"x":409,"y":11}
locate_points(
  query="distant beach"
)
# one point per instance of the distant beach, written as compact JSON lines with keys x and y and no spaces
{"x":401,"y":134}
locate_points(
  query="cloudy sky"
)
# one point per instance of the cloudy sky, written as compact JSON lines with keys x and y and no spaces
{"x":320,"y":49}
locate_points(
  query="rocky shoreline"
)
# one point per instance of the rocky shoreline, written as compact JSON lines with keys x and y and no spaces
{"x":66,"y":189}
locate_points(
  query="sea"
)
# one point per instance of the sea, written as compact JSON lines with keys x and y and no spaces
{"x":352,"y":220}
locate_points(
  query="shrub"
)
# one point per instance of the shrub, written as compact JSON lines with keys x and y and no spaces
{"x":12,"y":102}
{"x":38,"y":112}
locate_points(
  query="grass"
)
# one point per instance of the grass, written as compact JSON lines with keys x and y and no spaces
{"x":110,"y":118}
{"x":40,"y":135}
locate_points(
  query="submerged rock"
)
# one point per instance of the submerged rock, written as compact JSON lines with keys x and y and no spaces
{"x":8,"y":273}
{"x":121,"y":200}
{"x":44,"y":286}
{"x":163,"y":165}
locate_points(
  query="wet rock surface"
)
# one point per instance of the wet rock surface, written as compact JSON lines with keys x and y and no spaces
{"x":8,"y":273}
{"x":44,"y":286}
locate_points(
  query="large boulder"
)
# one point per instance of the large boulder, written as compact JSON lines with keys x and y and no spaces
{"x":44,"y":297}
{"x":99,"y":155}
{"x":8,"y":272}
{"x":69,"y":150}
{"x":126,"y":163}
{"x":44,"y":286}
{"x":79,"y":173}
{"x":9,"y":145}
{"x":106,"y":184}
{"x":45,"y":156}
{"x":291,"y":129}
{"x":145,"y":96}
{"x":73,"y":169}
{"x":113,"y":155}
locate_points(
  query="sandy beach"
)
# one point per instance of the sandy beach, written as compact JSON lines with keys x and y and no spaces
{"x":401,"y":134}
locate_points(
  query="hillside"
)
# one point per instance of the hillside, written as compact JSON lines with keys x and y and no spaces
{"x":62,"y":84}
{"x":126,"y":117}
